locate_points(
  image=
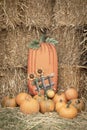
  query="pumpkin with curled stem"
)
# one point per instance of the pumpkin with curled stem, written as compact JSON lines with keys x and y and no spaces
{"x":71,"y":93}
{"x":68,"y":111}
{"x":42,"y":59}
{"x":78,"y":103}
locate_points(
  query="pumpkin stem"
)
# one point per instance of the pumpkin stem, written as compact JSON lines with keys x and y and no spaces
{"x":43,"y":38}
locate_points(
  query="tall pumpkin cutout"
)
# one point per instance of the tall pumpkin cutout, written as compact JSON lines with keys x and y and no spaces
{"x":42,"y":59}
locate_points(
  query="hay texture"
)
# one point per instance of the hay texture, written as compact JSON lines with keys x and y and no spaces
{"x":25,"y":12}
{"x":14,"y":46}
{"x":14,"y":119}
{"x":70,"y":12}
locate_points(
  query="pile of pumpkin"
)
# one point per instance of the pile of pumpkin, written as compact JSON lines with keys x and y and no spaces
{"x":65,"y":103}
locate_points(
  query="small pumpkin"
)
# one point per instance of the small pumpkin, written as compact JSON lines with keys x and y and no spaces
{"x":3,"y":101}
{"x":78,"y":103}
{"x":46,"y":105}
{"x":59,"y":96}
{"x":39,"y":98}
{"x":50,"y":93}
{"x":9,"y":102}
{"x":21,"y":97}
{"x":59,"y":104}
{"x":29,"y":106}
{"x":71,"y":93}
{"x":68,"y":111}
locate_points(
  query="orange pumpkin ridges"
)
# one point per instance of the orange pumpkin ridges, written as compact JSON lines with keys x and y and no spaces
{"x":44,"y":57}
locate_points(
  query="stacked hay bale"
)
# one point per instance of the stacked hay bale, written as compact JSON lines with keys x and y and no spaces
{"x":69,"y":17}
{"x":21,"y":21}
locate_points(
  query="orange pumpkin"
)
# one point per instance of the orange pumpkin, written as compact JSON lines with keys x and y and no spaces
{"x":50,"y":93}
{"x":71,"y":93}
{"x":46,"y":105}
{"x":59,"y":104}
{"x":68,"y":111}
{"x":59,"y":96}
{"x":42,"y":60}
{"x":78,"y":103}
{"x":29,"y":106}
{"x":9,"y":102}
{"x":21,"y":97}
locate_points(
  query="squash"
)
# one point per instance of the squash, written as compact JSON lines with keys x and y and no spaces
{"x":78,"y":103}
{"x":68,"y":111}
{"x":3,"y":101}
{"x":39,"y":98}
{"x":21,"y":97}
{"x":59,"y":104}
{"x":71,"y":93}
{"x":9,"y":102}
{"x":42,"y":60}
{"x":50,"y":93}
{"x":46,"y":105}
{"x":29,"y":106}
{"x":59,"y":96}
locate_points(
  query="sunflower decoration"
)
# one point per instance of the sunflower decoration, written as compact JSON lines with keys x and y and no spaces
{"x":39,"y":72}
{"x":31,"y":76}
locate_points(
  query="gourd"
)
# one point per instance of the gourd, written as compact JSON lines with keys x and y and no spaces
{"x":21,"y":97}
{"x":46,"y":105}
{"x":68,"y":111}
{"x":29,"y":106}
{"x":78,"y":103}
{"x":59,"y":104}
{"x":50,"y":93}
{"x":59,"y":96}
{"x":71,"y":93}
{"x":9,"y":102}
{"x":42,"y":60}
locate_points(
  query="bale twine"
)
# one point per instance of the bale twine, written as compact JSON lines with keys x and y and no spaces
{"x":25,"y":12}
{"x":70,"y":12}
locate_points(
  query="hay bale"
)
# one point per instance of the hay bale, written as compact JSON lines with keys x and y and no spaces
{"x":69,"y":76}
{"x":83,"y":84}
{"x":13,"y":81}
{"x":25,"y":12}
{"x":15,"y":47}
{"x":68,"y":47}
{"x":70,"y":12}
{"x":9,"y":14}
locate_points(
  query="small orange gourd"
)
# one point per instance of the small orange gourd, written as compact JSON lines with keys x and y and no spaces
{"x":50,"y":93}
{"x":59,"y":96}
{"x":68,"y":111}
{"x":59,"y":104}
{"x":29,"y":106}
{"x":78,"y":103}
{"x":9,"y":102}
{"x":46,"y":105}
{"x":21,"y":97}
{"x":71,"y":93}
